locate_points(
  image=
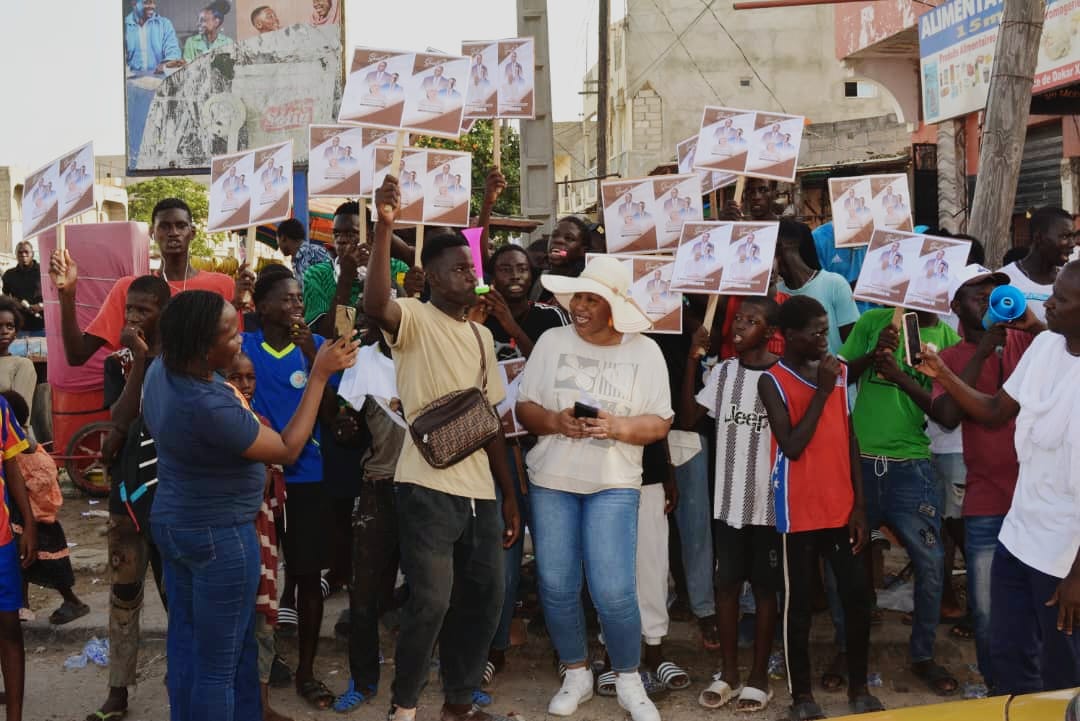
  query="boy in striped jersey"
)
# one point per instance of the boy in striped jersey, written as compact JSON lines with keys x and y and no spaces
{"x":818,"y":497}
{"x":747,"y":545}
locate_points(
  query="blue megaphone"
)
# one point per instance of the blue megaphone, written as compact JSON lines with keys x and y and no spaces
{"x":1007,"y":303}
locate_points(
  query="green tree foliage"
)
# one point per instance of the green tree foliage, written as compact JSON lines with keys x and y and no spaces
{"x":143,"y":196}
{"x":479,"y":141}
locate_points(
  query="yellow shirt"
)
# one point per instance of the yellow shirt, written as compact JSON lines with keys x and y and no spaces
{"x":435,"y":354}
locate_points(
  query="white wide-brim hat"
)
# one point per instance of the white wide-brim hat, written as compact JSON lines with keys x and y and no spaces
{"x":608,"y":278}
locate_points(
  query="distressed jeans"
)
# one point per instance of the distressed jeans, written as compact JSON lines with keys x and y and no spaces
{"x":693,"y":517}
{"x":906,"y":496}
{"x":131,"y":552}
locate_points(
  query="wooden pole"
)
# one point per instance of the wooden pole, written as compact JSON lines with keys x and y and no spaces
{"x":1005,"y":123}
{"x":710,"y":316}
{"x":419,"y":250}
{"x":496,"y":142}
{"x":740,"y":188}
{"x":61,"y":241}
{"x":363,"y":221}
{"x":249,"y":247}
{"x":602,"y":105}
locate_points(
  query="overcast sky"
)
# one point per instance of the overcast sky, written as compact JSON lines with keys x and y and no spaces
{"x":64,"y":61}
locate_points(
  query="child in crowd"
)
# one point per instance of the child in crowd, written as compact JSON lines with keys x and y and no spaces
{"x":52,"y":565}
{"x":242,"y":377}
{"x":16,"y":373}
{"x":13,"y":555}
{"x":744,"y":530}
{"x":818,"y":498}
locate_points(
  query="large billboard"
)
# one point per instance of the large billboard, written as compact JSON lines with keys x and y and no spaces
{"x":956,"y":49}
{"x":211,"y":77}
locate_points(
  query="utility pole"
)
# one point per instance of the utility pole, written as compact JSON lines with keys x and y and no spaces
{"x":1005,"y":123}
{"x":538,"y":199}
{"x":602,"y":106}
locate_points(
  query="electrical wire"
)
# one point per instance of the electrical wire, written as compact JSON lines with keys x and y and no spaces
{"x":744,"y":57}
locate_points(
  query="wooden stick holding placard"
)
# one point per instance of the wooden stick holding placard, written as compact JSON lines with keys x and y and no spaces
{"x":714,"y":300}
{"x":61,"y":242}
{"x":363,"y":221}
{"x":249,"y":259}
{"x":713,"y":203}
{"x":496,"y":142}
{"x":419,"y":250}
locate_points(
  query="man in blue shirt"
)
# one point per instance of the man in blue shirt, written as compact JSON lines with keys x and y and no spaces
{"x":149,"y":39}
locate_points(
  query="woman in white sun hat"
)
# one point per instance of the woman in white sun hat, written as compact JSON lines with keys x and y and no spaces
{"x":595,"y":393}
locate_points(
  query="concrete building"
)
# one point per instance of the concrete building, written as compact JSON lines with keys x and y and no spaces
{"x":110,"y":201}
{"x":669,"y":58}
{"x":575,"y":160}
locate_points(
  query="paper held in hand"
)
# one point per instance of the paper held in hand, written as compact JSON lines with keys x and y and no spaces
{"x":749,"y":142}
{"x":651,"y":290}
{"x":399,"y":90}
{"x":912,"y":271}
{"x":250,"y":188}
{"x":502,"y":78}
{"x":861,"y":204}
{"x":729,"y":258}
{"x":61,"y":190}
{"x":435,"y":185}
{"x":686,"y":153}
{"x":646,"y":215}
{"x":341,"y":159}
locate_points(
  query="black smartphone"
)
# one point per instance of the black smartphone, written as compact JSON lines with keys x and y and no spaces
{"x":582,"y":410}
{"x":912,"y":339}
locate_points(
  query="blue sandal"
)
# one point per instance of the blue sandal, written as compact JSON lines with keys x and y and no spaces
{"x":352,"y":698}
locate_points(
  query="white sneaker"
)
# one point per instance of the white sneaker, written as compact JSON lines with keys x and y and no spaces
{"x":632,"y":697}
{"x":577,"y":688}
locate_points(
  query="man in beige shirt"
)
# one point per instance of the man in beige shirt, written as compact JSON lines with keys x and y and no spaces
{"x":450,"y":529}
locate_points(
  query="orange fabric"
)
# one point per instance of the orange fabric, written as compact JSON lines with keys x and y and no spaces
{"x":42,"y":485}
{"x":109,"y":321}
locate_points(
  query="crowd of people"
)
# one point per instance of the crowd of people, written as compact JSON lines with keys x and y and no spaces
{"x":790,"y":441}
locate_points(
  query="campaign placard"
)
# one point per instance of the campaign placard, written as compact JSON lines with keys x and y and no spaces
{"x":502,"y":78}
{"x":396,"y":90}
{"x":651,"y":290}
{"x":686,"y":152}
{"x":749,"y":142}
{"x":698,"y":260}
{"x":511,"y":375}
{"x":250,"y":188}
{"x":435,"y":185}
{"x":910,"y":270}
{"x":341,"y":159}
{"x":59,"y":191}
{"x":748,"y":259}
{"x":861,"y":204}
{"x":646,"y":215}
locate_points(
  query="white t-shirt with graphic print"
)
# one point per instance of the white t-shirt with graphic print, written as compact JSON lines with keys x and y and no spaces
{"x":629,"y":379}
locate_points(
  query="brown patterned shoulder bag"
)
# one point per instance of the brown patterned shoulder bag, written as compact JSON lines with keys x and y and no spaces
{"x":456,"y":425}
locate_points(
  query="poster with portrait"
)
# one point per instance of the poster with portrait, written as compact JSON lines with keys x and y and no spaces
{"x":910,"y":270}
{"x":686,"y":152}
{"x":59,"y":191}
{"x":651,"y":290}
{"x":250,"y":188}
{"x":511,"y":371}
{"x":646,"y":215}
{"x":749,"y":142}
{"x":209,"y":78}
{"x":699,"y":257}
{"x":422,"y":92}
{"x":341,"y":159}
{"x":748,"y":259}
{"x":502,"y":78}
{"x":861,"y":204}
{"x":435,"y":185}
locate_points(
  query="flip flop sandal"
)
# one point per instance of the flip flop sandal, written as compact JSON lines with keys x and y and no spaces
{"x":673,"y":677}
{"x":805,"y":711}
{"x":718,"y":688}
{"x":107,"y":716}
{"x":654,"y":687}
{"x":325,"y":586}
{"x":353,"y":699}
{"x":758,"y":699}
{"x":962,"y":630}
{"x":286,"y":621}
{"x":480,"y":699}
{"x":68,"y":612}
{"x":865,"y":703}
{"x":710,"y":633}
{"x":936,"y":678}
{"x":280,"y":673}
{"x":317,"y":694}
{"x":489,"y":674}
{"x":605,"y":684}
{"x":835,"y":676}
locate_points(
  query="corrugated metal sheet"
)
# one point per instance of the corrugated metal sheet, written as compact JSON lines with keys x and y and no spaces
{"x":1040,"y":169}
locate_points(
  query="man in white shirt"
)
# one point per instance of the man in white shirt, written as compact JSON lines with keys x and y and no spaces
{"x":1053,"y":233}
{"x":1035,"y":578}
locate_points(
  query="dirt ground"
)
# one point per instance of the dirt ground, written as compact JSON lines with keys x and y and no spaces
{"x":58,"y":694}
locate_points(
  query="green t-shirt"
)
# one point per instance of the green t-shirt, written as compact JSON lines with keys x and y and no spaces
{"x":887,"y":421}
{"x":320,"y":286}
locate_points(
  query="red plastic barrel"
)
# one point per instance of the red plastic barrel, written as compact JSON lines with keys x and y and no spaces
{"x":71,"y":411}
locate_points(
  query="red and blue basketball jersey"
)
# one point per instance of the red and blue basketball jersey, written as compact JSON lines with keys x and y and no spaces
{"x":813,"y":492}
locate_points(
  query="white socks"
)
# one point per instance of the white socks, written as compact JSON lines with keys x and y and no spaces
{"x":577,"y":688}
{"x":632,"y":697}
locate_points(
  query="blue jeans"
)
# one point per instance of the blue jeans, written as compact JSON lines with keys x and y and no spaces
{"x":513,"y":558}
{"x":980,"y":542}
{"x":211,"y":577}
{"x":599,"y":531}
{"x":693,"y":516}
{"x":907,"y":497}
{"x":1029,"y":653}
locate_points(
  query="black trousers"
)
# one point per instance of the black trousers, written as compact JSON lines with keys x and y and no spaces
{"x":801,"y":554}
{"x":452,"y":557}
